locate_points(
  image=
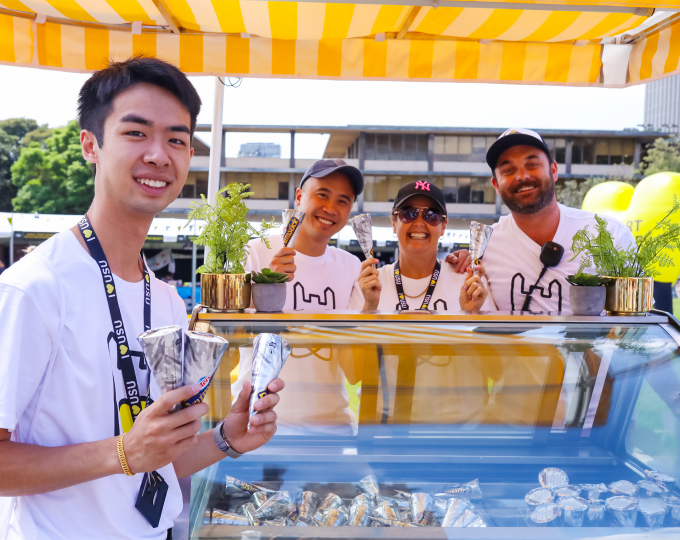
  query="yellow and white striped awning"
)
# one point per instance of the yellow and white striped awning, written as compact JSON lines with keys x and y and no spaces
{"x":572,"y":42}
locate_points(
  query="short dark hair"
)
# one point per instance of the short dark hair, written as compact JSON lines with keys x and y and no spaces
{"x":95,"y":101}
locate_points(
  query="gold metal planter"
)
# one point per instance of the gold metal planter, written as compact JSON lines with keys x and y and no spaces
{"x":225,"y":293}
{"x":629,"y":296}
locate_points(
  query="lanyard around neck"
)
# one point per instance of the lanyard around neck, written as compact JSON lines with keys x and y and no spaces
{"x":428,"y":294}
{"x":125,"y":364}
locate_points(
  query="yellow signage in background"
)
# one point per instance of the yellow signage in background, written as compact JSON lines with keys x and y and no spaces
{"x":640,"y":208}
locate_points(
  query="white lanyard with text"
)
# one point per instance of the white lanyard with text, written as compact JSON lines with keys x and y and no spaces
{"x":154,"y":489}
{"x":428,"y":294}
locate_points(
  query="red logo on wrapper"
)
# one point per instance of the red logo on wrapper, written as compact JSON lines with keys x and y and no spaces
{"x":198,"y":398}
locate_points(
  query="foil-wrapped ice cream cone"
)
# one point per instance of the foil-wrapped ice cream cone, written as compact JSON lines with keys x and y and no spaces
{"x":596,"y":513}
{"x":422,"y":508}
{"x":552,"y":478}
{"x":307,"y":503}
{"x":667,"y":480}
{"x":228,"y":518}
{"x":653,"y":511}
{"x":593,"y":491}
{"x":202,"y":355}
{"x":370,"y":486}
{"x":545,"y":515}
{"x":479,"y":240}
{"x":624,"y":488}
{"x":622,"y":510}
{"x":330,"y":501}
{"x":164,"y":354}
{"x":244,"y":487}
{"x":363,"y":229}
{"x":539,"y":496}
{"x":278,"y":505}
{"x":393,"y":522}
{"x":360,"y":511}
{"x":291,"y":227}
{"x":454,"y":509}
{"x":387,"y":509}
{"x":573,"y":510}
{"x":270,"y":352}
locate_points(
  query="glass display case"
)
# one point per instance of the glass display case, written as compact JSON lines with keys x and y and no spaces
{"x":461,"y":426}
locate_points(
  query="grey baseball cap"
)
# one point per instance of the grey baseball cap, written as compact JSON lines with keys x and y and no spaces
{"x":324,"y":167}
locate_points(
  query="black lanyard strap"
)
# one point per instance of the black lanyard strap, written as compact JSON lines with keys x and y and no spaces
{"x":125,"y":363}
{"x":428,"y":294}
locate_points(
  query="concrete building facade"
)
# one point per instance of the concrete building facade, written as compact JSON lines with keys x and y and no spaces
{"x":390,"y":156}
{"x":662,"y":105}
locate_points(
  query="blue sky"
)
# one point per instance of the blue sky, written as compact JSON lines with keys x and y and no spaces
{"x":50,"y":97}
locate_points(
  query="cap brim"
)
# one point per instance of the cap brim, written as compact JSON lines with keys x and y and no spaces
{"x":516,"y":139}
{"x":354,"y":175}
{"x":436,"y":202}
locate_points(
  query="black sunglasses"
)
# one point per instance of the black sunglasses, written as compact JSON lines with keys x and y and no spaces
{"x":410,"y":214}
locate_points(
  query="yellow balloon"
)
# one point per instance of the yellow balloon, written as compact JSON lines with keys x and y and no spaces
{"x":640,"y":208}
{"x":609,"y":198}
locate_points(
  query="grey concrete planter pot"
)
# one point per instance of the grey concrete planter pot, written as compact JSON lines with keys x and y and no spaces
{"x":269,"y":297}
{"x":587,"y":300}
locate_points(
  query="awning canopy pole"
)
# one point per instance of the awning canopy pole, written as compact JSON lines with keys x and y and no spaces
{"x":215,"y":147}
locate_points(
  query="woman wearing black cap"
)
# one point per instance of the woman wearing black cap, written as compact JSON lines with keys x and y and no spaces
{"x":418,"y":280}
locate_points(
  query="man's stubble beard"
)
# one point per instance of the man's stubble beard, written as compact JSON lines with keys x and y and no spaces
{"x":545,"y":197}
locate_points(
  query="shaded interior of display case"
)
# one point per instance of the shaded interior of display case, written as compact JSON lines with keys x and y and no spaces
{"x":423,"y":407}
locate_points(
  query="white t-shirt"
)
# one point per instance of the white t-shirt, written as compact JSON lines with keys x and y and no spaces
{"x":512,"y":261}
{"x":315,"y":399}
{"x":320,"y":283}
{"x":58,"y":369}
{"x":444,"y":298}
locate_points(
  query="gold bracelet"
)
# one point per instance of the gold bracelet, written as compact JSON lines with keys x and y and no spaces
{"x":122,"y":458}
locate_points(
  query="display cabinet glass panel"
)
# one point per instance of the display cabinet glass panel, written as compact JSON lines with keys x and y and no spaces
{"x":453,"y":426}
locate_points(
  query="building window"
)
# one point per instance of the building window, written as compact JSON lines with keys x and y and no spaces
{"x":619,"y":151}
{"x":396,"y":147}
{"x":460,"y":148}
{"x":272,"y":186}
{"x":558,"y":149}
{"x":195,"y":185}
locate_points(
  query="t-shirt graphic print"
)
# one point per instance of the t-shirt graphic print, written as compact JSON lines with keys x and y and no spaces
{"x":320,"y":283}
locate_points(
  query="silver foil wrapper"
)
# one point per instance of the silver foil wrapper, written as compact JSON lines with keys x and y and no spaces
{"x":454,"y":509}
{"x":330,"y":501}
{"x":393,"y":522}
{"x":653,"y":511}
{"x":269,"y":354}
{"x":539,"y":496}
{"x":545,"y":515}
{"x":596,"y":513}
{"x":370,"y":486}
{"x":624,"y":487}
{"x":567,"y":491}
{"x":469,"y":490}
{"x":228,"y":518}
{"x":276,"y":522}
{"x":291,"y":227}
{"x":307,"y":503}
{"x":333,"y":517}
{"x":363,"y":229}
{"x":387,"y":509}
{"x":573,"y":510}
{"x":479,"y":239}
{"x":164,"y":354}
{"x":422,"y":508}
{"x":258,"y":499}
{"x":673,"y":504}
{"x":245,"y":487}
{"x":593,"y":491}
{"x":278,"y":505}
{"x":360,"y":511}
{"x":666,"y":480}
{"x":202,"y":355}
{"x":552,"y":478}
{"x":468,"y":519}
{"x":649,"y":488}
{"x":622,"y":511}
{"x":249,"y":510}
{"x":405,"y":515}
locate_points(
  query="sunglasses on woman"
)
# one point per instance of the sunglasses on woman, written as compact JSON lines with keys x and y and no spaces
{"x":410,"y":214}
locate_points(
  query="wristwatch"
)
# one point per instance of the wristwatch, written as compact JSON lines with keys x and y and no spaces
{"x":221,"y":441}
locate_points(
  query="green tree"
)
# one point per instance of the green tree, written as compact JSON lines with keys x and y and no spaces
{"x":663,"y":155}
{"x":53,"y":178}
{"x":15,"y":133}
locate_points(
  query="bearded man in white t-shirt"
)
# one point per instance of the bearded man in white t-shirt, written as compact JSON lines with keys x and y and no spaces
{"x":75,"y":441}
{"x":524,"y":176}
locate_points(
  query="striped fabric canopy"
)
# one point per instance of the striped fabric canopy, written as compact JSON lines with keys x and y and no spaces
{"x":572,"y":42}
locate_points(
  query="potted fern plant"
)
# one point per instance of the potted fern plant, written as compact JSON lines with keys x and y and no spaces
{"x":269,"y":290}
{"x":587,"y":293}
{"x":225,"y":285}
{"x":631,"y":271}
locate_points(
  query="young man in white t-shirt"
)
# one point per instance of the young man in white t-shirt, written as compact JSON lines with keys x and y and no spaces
{"x":524,"y":175}
{"x":71,"y":459}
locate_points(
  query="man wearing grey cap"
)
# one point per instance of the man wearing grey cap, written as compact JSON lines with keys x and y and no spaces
{"x":321,"y":278}
{"x":524,"y":175}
